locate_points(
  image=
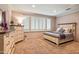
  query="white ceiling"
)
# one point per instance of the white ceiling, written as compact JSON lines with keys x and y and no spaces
{"x":47,"y":9}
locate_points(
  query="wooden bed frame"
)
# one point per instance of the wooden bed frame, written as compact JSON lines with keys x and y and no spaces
{"x":58,"y":40}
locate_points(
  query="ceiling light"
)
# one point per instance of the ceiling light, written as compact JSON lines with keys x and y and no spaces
{"x":68,"y":8}
{"x":54,"y":11}
{"x":33,"y":6}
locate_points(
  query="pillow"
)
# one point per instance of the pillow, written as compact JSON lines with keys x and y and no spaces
{"x":61,"y":30}
{"x":58,"y":29}
{"x":67,"y":30}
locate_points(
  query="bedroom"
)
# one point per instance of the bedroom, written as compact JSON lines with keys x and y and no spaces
{"x":27,"y":24}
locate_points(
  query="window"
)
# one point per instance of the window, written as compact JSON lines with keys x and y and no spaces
{"x":34,"y":23}
{"x":48,"y":24}
{"x":26,"y":24}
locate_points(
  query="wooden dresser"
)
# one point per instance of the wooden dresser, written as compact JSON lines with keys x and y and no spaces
{"x":9,"y":43}
{"x":19,"y":33}
{"x":8,"y":40}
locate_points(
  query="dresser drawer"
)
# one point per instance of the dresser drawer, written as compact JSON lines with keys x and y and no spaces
{"x":6,"y":42}
{"x":18,"y":28}
{"x":8,"y":46}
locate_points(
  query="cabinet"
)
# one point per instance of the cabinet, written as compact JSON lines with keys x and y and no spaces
{"x":8,"y":40}
{"x":19,"y":33}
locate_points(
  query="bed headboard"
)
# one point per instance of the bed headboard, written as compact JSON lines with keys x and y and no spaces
{"x":71,"y":26}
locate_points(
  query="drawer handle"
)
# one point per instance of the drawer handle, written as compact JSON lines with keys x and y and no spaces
{"x":7,"y":35}
{"x":8,"y":43}
{"x":11,"y":36}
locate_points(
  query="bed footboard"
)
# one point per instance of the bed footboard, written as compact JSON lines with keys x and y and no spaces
{"x":58,"y":41}
{"x":53,"y":39}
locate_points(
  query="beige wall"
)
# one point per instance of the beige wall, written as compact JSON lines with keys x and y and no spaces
{"x":5,"y":7}
{"x":21,"y":14}
{"x":53,"y":23}
{"x":69,"y":19}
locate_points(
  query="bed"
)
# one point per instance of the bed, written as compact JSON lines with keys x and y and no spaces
{"x":61,"y":36}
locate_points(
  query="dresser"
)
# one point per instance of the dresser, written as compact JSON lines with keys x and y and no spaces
{"x":7,"y":42}
{"x":9,"y":39}
{"x":19,"y":33}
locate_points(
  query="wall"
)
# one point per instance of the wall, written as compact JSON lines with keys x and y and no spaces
{"x":20,"y":14}
{"x":34,"y":35}
{"x":69,"y":19}
{"x":53,"y":23}
{"x":5,"y":7}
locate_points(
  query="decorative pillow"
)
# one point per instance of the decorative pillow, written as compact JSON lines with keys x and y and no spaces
{"x":58,"y":29}
{"x":71,"y":31}
{"x":68,"y":30}
{"x":61,"y":30}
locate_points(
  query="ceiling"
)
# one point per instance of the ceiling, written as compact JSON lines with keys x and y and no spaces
{"x":47,"y":9}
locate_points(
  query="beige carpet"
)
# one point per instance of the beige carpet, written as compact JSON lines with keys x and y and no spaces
{"x":41,"y":46}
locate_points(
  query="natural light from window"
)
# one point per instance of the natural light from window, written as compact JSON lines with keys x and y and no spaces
{"x":36,"y":23}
